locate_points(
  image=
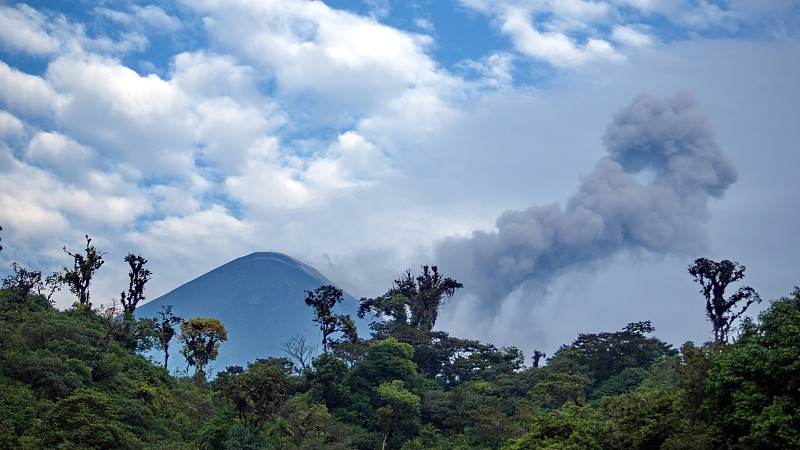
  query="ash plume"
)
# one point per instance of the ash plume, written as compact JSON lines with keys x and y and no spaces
{"x":651,"y":192}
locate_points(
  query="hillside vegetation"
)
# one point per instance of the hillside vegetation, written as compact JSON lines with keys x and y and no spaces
{"x":73,"y":379}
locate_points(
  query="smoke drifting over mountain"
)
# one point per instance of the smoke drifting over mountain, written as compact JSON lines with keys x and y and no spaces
{"x":651,"y":192}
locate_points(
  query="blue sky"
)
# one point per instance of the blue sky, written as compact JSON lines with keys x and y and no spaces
{"x":566,"y":160}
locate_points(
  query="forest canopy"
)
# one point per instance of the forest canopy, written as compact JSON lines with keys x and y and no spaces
{"x":77,"y":378}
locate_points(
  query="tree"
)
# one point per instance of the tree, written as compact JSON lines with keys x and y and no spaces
{"x":753,"y":388}
{"x":323,"y":299}
{"x":604,"y":355}
{"x":327,"y":380}
{"x":87,"y":419}
{"x":413,"y":301}
{"x":258,"y":392}
{"x":309,"y":426}
{"x":138,"y":277}
{"x":715,"y":277}
{"x":201,"y":338}
{"x":385,"y":360}
{"x":80,"y":277}
{"x":399,"y":413}
{"x":299,"y":351}
{"x":24,"y":282}
{"x":165,"y":329}
{"x":571,"y":427}
{"x":642,"y":419}
{"x":537,"y":355}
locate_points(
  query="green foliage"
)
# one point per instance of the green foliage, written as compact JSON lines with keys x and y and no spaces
{"x":52,"y":363}
{"x":87,"y":419}
{"x":164,"y":330}
{"x":323,"y":299}
{"x":604,"y":355}
{"x":570,"y":428}
{"x":201,"y":339}
{"x":258,"y":392}
{"x":328,"y":380}
{"x":138,"y":277}
{"x":399,"y":414}
{"x":24,"y":282}
{"x":412,"y":301}
{"x":753,"y":387}
{"x":80,"y":276}
{"x":641,"y":419}
{"x":17,"y":411}
{"x":691,"y":377}
{"x":560,"y":388}
{"x":385,"y":360}
{"x":309,"y":426}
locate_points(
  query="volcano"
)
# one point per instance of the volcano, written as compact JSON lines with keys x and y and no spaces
{"x":260,"y":298}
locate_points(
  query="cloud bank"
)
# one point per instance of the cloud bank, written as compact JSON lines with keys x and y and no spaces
{"x":650,"y":193}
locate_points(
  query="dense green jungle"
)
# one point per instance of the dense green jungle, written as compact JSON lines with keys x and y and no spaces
{"x":75,"y":379}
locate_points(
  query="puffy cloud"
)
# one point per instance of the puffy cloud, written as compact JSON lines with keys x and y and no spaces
{"x":226,"y":130}
{"x":351,"y":162}
{"x":571,"y":33}
{"x":273,"y":179}
{"x":22,"y":29}
{"x":205,"y":75}
{"x":269,"y":180}
{"x":27,"y":211}
{"x":577,"y":14}
{"x":144,"y":122}
{"x":149,"y":17}
{"x":26,"y":95}
{"x":61,"y":154}
{"x":193,"y":237}
{"x":561,"y":33}
{"x":41,"y":202}
{"x":10,"y":126}
{"x":553,"y":47}
{"x":494,"y":71}
{"x":338,"y":66}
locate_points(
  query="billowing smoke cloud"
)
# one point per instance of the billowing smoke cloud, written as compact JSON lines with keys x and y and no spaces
{"x":651,"y":192}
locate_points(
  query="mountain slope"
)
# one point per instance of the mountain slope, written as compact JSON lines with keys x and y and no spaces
{"x":260,"y":300}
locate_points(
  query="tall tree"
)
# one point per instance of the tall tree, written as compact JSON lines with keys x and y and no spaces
{"x":413,"y":301}
{"x":323,"y":299}
{"x":165,"y":329}
{"x":201,"y":339}
{"x":715,"y":277}
{"x":138,"y":277}
{"x":80,"y":276}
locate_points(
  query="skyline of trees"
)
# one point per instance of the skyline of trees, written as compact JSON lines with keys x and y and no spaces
{"x":72,"y":379}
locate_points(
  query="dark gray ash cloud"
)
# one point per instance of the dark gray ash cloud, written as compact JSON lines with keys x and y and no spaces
{"x":651,"y":192}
